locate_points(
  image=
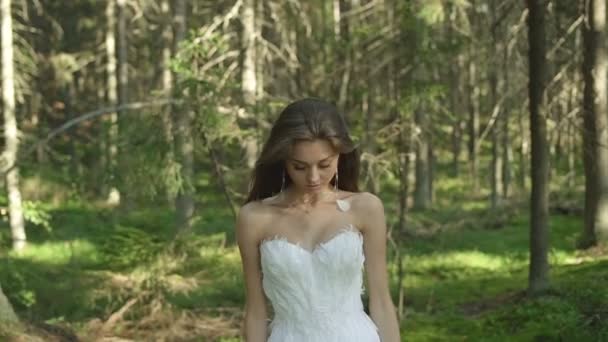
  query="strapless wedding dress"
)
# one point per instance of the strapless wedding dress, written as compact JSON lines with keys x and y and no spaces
{"x":316,"y":294}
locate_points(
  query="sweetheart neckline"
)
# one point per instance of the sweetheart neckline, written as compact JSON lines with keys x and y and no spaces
{"x":350,"y":228}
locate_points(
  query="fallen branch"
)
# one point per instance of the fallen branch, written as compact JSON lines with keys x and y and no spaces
{"x":75,"y":121}
{"x":118,"y":315}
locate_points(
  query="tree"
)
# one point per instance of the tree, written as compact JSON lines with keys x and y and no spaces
{"x":112,"y":100}
{"x":11,"y":131}
{"x":496,"y":164}
{"x":538,"y":277}
{"x":422,"y":188}
{"x":7,"y":314}
{"x":184,"y":141}
{"x":248,"y":75}
{"x":595,"y":116}
{"x":167,"y":88}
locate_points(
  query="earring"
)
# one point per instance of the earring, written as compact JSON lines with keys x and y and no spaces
{"x":283,"y":182}
{"x":336,"y":182}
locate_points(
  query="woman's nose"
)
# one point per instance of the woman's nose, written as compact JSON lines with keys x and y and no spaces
{"x":313,"y":175}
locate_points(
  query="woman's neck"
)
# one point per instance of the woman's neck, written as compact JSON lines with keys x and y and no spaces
{"x":298,"y":198}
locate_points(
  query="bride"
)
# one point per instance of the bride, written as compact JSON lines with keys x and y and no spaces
{"x":305,"y":234}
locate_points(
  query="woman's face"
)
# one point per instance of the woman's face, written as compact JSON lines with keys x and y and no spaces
{"x":312,"y":165}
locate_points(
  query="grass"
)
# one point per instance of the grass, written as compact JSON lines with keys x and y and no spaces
{"x":99,"y":273}
{"x":467,"y":285}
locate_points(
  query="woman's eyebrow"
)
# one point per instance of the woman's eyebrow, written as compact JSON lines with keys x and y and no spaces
{"x":305,"y":163}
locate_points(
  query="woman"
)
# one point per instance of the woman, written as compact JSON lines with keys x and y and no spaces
{"x":306,"y":232}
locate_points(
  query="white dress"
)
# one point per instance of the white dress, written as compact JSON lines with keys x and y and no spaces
{"x":316,"y":295}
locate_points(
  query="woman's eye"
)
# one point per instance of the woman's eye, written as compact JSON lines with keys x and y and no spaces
{"x":299,"y":168}
{"x":324,"y":166}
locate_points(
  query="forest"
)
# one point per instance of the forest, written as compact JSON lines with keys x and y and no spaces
{"x":131,"y":128}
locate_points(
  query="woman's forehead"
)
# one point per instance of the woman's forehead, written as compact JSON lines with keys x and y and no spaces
{"x":312,"y":150}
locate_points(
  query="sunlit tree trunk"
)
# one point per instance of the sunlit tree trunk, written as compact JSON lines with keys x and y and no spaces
{"x":496,"y":164}
{"x":167,"y":88}
{"x":595,"y":135}
{"x":11,"y":132}
{"x":454,"y":93}
{"x":344,"y":54}
{"x":112,"y":99}
{"x":248,"y":78}
{"x":125,"y":199}
{"x":260,"y":51}
{"x":184,"y":142}
{"x":123,"y":63}
{"x":538,"y":277}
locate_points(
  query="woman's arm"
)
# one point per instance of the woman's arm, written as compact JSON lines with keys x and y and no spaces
{"x":247,"y":236}
{"x":381,"y":307}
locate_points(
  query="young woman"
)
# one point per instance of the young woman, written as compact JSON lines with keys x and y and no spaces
{"x":306,"y":232}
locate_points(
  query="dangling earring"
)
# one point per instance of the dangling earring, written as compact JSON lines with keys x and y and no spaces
{"x":336,"y":182}
{"x":283,"y":182}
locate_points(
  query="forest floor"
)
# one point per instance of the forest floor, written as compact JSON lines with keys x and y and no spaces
{"x":102,"y":276}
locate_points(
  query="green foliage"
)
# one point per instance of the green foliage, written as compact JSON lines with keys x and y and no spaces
{"x":16,"y":285}
{"x":127,"y":247}
{"x":146,"y":172}
{"x":204,"y":65}
{"x":464,"y":276}
{"x":38,"y":214}
{"x":468,"y":277}
{"x":432,"y":12}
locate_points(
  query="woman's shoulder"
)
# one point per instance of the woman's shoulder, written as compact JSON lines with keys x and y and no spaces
{"x":367,"y":208}
{"x":254,"y":211}
{"x":366,"y":202}
{"x":249,"y":223}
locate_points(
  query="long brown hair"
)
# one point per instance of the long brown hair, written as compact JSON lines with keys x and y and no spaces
{"x":307,"y":119}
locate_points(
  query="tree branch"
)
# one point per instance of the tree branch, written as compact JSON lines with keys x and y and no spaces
{"x":75,"y":121}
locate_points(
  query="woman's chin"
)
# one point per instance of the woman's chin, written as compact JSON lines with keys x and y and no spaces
{"x":311,"y":189}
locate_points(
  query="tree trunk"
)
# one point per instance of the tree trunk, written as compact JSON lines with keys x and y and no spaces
{"x":523,"y":152}
{"x":573,"y":103}
{"x":595,"y":135}
{"x":422,"y":190}
{"x":112,"y":98}
{"x":344,"y":56}
{"x":369,"y":110}
{"x":571,"y":135}
{"x":11,"y":133}
{"x":125,"y":199}
{"x":506,"y":140}
{"x":496,"y":164}
{"x":473,"y":122}
{"x":184,"y":142}
{"x":167,"y":90}
{"x":7,"y":314}
{"x":260,"y":51}
{"x":35,"y":108}
{"x":453,"y":96}
{"x":248,"y":79}
{"x":538,"y":277}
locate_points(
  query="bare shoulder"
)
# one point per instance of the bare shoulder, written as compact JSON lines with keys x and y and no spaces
{"x":369,"y":210}
{"x":251,"y":219}
{"x":368,"y":203}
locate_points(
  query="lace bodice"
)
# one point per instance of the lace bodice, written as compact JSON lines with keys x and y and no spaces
{"x":316,"y":294}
